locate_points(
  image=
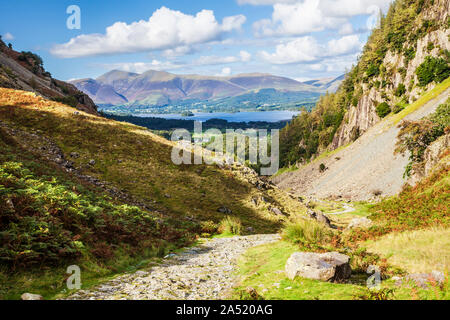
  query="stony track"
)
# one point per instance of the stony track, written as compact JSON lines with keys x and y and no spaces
{"x":204,"y":272}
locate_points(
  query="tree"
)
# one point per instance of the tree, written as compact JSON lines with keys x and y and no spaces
{"x":383,"y":109}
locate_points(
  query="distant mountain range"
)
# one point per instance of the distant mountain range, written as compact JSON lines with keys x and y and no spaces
{"x":158,"y":88}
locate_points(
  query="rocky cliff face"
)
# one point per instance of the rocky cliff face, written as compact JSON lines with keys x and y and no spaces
{"x":399,"y":70}
{"x":25,"y":71}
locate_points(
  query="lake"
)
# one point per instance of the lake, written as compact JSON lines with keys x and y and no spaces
{"x":267,"y":116}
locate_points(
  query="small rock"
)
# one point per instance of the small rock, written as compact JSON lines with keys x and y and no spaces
{"x":92,"y":162}
{"x":74,"y":155}
{"x":319,"y":217}
{"x":224,"y":210}
{"x":424,"y":280}
{"x":10,"y":205}
{"x":59,"y":160}
{"x":31,"y":296}
{"x":277,"y":211}
{"x":250,"y":230}
{"x":168,"y":196}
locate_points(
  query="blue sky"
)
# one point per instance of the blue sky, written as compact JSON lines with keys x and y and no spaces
{"x":300,"y":39}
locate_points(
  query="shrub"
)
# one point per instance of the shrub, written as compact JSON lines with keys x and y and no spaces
{"x":398,"y":108}
{"x":432,"y":69}
{"x":383,"y":109}
{"x":70,"y":101}
{"x":45,"y":220}
{"x":374,"y":294}
{"x":306,"y":232}
{"x":416,"y":136}
{"x":27,"y":56}
{"x":373,"y":70}
{"x":231,"y":226}
{"x":410,"y":54}
{"x":322,"y":167}
{"x":208,"y":227}
{"x":401,"y":90}
{"x":441,"y":116}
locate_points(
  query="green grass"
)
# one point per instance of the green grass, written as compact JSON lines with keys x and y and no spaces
{"x":263,"y":267}
{"x":285,"y":170}
{"x":416,"y":251}
{"x":49,"y":281}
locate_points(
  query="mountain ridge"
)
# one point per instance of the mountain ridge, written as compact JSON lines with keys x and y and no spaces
{"x":153,"y":87}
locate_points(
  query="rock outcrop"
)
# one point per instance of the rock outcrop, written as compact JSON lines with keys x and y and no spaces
{"x":24,"y":71}
{"x":363,"y":116}
{"x":435,"y":157}
{"x":330,"y":266}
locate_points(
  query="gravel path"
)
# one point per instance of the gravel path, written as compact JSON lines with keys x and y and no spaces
{"x":205,"y":272}
{"x":347,"y":209}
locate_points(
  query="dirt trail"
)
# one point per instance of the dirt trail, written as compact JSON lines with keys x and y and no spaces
{"x":368,"y":165}
{"x":205,"y":272}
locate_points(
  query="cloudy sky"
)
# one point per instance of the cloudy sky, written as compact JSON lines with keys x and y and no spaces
{"x":300,"y":39}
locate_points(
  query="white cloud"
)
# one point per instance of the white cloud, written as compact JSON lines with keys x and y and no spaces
{"x":244,"y":56}
{"x":178,"y":52}
{"x":346,"y":29}
{"x":349,"y":8}
{"x":165,"y":29}
{"x":226,"y":71}
{"x":305,"y":49}
{"x":213,"y":60}
{"x":308,"y":50}
{"x":264,"y":2}
{"x":294,"y":18}
{"x":8,"y":36}
{"x":344,"y":45}
{"x":141,"y":67}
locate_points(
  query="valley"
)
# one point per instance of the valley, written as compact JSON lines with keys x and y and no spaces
{"x":359,"y":210}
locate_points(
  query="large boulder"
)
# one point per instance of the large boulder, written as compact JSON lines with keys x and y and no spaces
{"x":330,"y":266}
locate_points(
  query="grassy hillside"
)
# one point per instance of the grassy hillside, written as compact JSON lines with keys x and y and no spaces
{"x":55,"y":217}
{"x":409,"y":235}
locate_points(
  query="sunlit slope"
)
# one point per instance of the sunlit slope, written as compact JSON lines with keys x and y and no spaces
{"x":137,"y":162}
